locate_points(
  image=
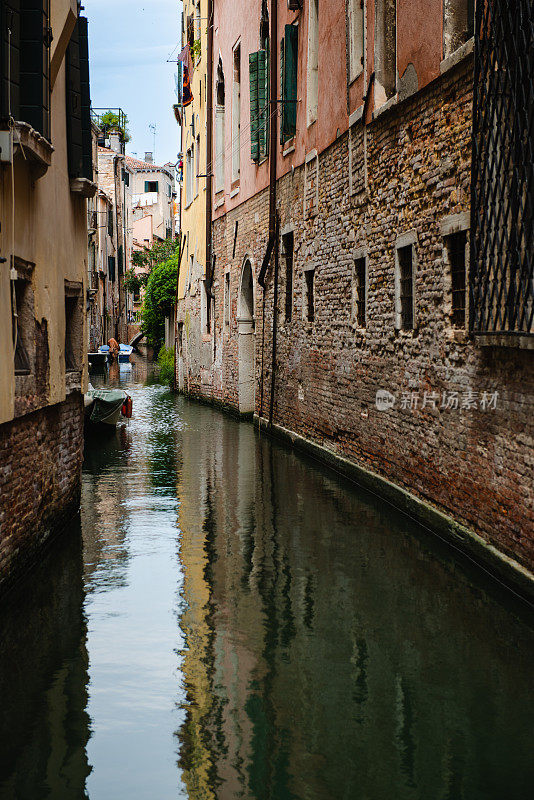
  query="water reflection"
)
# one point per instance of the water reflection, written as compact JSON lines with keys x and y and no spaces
{"x":243,"y":624}
{"x":44,"y":726}
{"x":331,"y":652}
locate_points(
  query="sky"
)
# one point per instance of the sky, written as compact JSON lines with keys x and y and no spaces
{"x":129,"y":44}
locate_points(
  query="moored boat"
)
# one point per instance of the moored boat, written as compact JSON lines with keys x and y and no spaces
{"x":103,"y":407}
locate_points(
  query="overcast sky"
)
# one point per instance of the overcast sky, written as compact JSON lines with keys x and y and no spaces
{"x":130,"y":42}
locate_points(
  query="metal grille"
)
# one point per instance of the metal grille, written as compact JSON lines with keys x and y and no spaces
{"x":456,"y":245}
{"x":406,"y":287}
{"x":502,"y":254}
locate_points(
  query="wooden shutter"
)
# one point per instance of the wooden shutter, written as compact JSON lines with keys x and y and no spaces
{"x":74,"y":107}
{"x":289,"y":82}
{"x":10,"y":59}
{"x":35,"y":37}
{"x":121,"y":260}
{"x":254,"y":107}
{"x":87,"y":141}
{"x":147,"y":187}
{"x":263,"y":102}
{"x":111,"y":268}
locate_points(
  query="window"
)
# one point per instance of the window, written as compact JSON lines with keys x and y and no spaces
{"x":206,"y":308}
{"x":360,"y":292}
{"x":458,"y":24}
{"x":110,"y":221}
{"x":287,"y":252}
{"x":197,"y":170}
{"x":78,"y":101}
{"x":151,"y":187}
{"x":29,"y":55}
{"x":259,"y":105}
{"x":356,"y":38}
{"x":309,"y":276}
{"x":22,"y":326}
{"x":386,"y":48}
{"x":169,"y":190}
{"x":405,"y":288}
{"x":236,"y":115}
{"x":289,"y":56}
{"x":189,"y":177}
{"x":111,"y":268}
{"x":313,"y":60}
{"x":219,"y":130}
{"x":456,"y":245}
{"x":73,"y":332}
{"x":227,"y":299}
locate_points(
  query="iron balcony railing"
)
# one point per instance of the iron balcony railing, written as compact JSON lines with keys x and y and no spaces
{"x":502,"y":224}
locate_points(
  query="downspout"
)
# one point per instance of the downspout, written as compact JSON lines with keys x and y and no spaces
{"x":273,"y":155}
{"x":209,"y":167}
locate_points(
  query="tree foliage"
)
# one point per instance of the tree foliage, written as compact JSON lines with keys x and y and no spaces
{"x":160,"y":298}
{"x":110,"y":120}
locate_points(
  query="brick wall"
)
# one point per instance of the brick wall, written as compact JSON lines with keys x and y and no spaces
{"x":475,"y":464}
{"x":40,"y":476}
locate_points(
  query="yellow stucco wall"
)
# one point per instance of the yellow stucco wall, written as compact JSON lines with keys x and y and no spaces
{"x":194,"y":215}
{"x":51,"y":232}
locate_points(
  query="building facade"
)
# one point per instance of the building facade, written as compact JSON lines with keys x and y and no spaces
{"x":46,"y":176}
{"x":366,"y":303}
{"x":195,"y":300}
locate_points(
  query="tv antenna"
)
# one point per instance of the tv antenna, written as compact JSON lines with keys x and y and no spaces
{"x":153,"y":128}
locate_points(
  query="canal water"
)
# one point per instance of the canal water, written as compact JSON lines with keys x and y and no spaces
{"x":229,"y":620}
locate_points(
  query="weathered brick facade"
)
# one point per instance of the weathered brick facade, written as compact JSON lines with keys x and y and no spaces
{"x":40,"y":478}
{"x":474,"y":463}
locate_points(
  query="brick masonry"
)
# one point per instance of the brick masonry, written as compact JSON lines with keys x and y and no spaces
{"x":40,"y":478}
{"x":478,"y":466}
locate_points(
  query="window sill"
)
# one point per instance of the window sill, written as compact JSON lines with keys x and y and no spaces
{"x":287,"y":151}
{"x":458,"y":57}
{"x":219,"y":203}
{"x":385,"y":107}
{"x":34,"y":148}
{"x":234,"y":192}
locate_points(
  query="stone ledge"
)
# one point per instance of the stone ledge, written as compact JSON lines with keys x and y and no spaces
{"x":500,"y":566}
{"x":34,"y":148}
{"x":83,"y":187}
{"x":458,"y":56}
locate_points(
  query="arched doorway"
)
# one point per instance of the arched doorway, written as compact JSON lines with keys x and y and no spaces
{"x":245,"y":320}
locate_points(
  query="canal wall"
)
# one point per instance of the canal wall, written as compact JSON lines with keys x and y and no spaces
{"x":40,"y":481}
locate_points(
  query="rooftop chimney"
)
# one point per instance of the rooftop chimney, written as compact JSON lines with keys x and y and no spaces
{"x":115,"y":140}
{"x":149,"y":158}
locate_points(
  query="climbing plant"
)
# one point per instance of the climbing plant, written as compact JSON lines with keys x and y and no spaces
{"x":160,"y":297}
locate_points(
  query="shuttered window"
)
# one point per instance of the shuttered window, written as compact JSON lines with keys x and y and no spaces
{"x":79,"y":144}
{"x":25,"y":62}
{"x":35,"y":38}
{"x":111,"y":268}
{"x":289,"y":57}
{"x":259,"y":105}
{"x":121,"y":260}
{"x":152,"y":186}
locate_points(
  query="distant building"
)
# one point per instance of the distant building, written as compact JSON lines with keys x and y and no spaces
{"x":153,"y":215}
{"x":47,"y":177}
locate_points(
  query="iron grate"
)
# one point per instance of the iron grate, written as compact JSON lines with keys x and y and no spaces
{"x":502,"y":253}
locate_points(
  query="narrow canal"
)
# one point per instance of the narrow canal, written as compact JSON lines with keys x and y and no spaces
{"x":229,"y":620}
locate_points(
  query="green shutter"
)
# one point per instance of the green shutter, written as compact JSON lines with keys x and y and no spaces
{"x":282,"y":91}
{"x":263,"y":102}
{"x":156,"y":184}
{"x":147,"y":188}
{"x":254,"y":107}
{"x":289,"y":49}
{"x":259,"y":105}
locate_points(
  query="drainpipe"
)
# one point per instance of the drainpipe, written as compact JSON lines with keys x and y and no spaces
{"x":209,"y":166}
{"x":273,"y":155}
